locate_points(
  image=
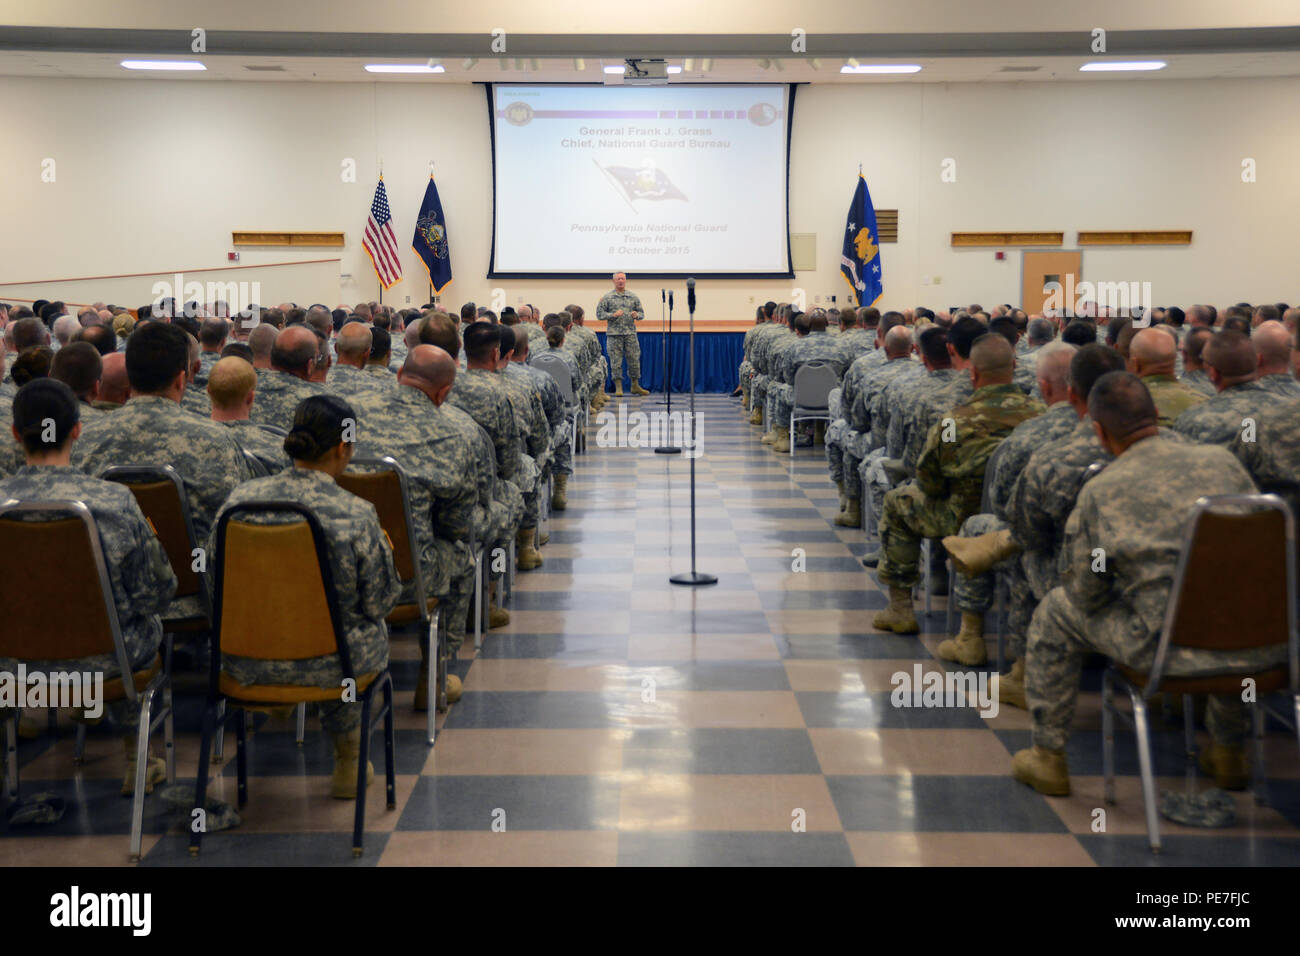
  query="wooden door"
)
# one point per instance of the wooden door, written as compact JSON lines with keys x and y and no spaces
{"x":1038,"y":269}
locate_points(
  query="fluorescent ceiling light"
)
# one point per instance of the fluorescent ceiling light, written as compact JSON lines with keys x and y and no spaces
{"x":614,"y":69}
{"x":579,"y":64}
{"x":674,"y":69}
{"x":706,"y":64}
{"x":881,"y":68}
{"x":1119,"y":67}
{"x":403,"y":68}
{"x":163,"y":65}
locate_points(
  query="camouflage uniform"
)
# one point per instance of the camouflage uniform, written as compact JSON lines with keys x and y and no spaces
{"x":932,"y":408}
{"x":949,"y":478}
{"x":813,"y":347}
{"x":975,"y":593}
{"x":856,"y":343}
{"x":1221,"y":419}
{"x":500,"y":506}
{"x":553,"y":407}
{"x":278,"y":397}
{"x":483,"y":395}
{"x":863,"y":383}
{"x":775,"y":359}
{"x":1273,"y":458}
{"x":580,"y":397}
{"x":1171,"y":396}
{"x":1199,"y":380}
{"x":536,"y":337}
{"x":151,"y":430}
{"x":773,"y":332}
{"x":365,"y":584}
{"x":620,"y":332}
{"x":265,"y":447}
{"x":746,"y":371}
{"x":1282,"y":384}
{"x":534,"y":432}
{"x":887,"y":407}
{"x":349,"y":382}
{"x":439,"y":466}
{"x":590,"y":358}
{"x":195,"y":400}
{"x":1136,"y":511}
{"x":206,"y":361}
{"x":138,"y":572}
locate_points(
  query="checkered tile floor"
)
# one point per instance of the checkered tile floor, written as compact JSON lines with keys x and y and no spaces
{"x":620,"y":719}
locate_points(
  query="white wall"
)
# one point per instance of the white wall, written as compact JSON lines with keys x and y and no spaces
{"x":155,"y":175}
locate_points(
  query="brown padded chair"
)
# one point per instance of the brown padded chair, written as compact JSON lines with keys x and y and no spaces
{"x":387,"y":488}
{"x":160,"y":493}
{"x":292,"y":560}
{"x":1246,"y":552}
{"x":59,"y":554}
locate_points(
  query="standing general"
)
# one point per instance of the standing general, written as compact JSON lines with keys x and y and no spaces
{"x":620,"y":310}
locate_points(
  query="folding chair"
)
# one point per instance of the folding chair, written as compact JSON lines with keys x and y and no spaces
{"x":1249,"y":553}
{"x":60,"y":554}
{"x":303,"y":622}
{"x":812,"y":388}
{"x":555,"y":367}
{"x":388,"y":489}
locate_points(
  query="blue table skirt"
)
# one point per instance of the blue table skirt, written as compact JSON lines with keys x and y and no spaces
{"x":717,"y":360}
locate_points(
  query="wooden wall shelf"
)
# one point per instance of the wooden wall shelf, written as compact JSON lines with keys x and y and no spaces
{"x":975,"y":239}
{"x":887,"y":225}
{"x":1145,"y":237}
{"x":287,"y":238}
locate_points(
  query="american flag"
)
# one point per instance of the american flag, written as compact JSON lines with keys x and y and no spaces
{"x":380,"y":242}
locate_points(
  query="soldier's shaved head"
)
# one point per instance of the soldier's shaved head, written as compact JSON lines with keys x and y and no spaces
{"x":993,"y":357}
{"x":440,"y":329}
{"x":1231,"y":355}
{"x":1272,"y":347}
{"x":1090,"y":363}
{"x":428,"y":368}
{"x":1122,"y":407}
{"x":1152,"y":352}
{"x":294,"y":350}
{"x":229,"y":383}
{"x":898,"y":341}
{"x":261,"y":340}
{"x":353,"y":343}
{"x":114,"y":384}
{"x":1053,"y":370}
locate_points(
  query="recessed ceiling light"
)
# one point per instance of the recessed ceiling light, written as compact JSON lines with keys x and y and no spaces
{"x":706,"y":64}
{"x":614,"y":69}
{"x":403,"y":68}
{"x":881,"y":68}
{"x":674,"y":69}
{"x":1120,"y":67}
{"x":163,"y":65}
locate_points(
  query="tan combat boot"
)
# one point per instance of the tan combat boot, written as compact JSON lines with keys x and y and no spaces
{"x":781,"y":441}
{"x":497,"y":615}
{"x":968,"y":646}
{"x":618,"y":388}
{"x":155,"y":769}
{"x":899,"y":616}
{"x":1011,"y":686}
{"x":527,"y":557}
{"x":852,"y":514}
{"x":768,"y":437}
{"x":347,"y":755}
{"x":637,"y":389}
{"x":756,"y":418}
{"x":979,"y":554}
{"x":1227,"y":765}
{"x":843,"y":497}
{"x":560,"y":494}
{"x":1044,"y":770}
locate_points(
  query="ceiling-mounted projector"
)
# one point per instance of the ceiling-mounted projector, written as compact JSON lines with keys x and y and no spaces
{"x":637,"y":72}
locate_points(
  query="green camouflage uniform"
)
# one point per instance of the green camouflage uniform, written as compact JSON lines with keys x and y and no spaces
{"x":553,"y":407}
{"x":439,"y":466}
{"x":1273,"y":458}
{"x":195,"y":400}
{"x":1136,"y":511}
{"x":365,"y":584}
{"x":813,"y":347}
{"x":534,"y":432}
{"x":500,"y":506}
{"x":575,"y":373}
{"x":1172,"y":398}
{"x":1199,"y":380}
{"x":278,"y":396}
{"x":1220,"y":420}
{"x":261,"y":444}
{"x":590,"y":358}
{"x":138,"y":572}
{"x":764,"y":340}
{"x":746,"y":371}
{"x":1282,"y":384}
{"x":620,"y":332}
{"x":381,"y":377}
{"x":863,"y":383}
{"x":151,"y":430}
{"x":856,"y":343}
{"x":349,"y":382}
{"x":949,"y":477}
{"x":482,"y":395}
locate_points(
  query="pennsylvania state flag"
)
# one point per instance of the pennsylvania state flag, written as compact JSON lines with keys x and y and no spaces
{"x":860,"y":257}
{"x":430,"y":242}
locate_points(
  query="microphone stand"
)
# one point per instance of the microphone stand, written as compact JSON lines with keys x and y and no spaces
{"x":663,"y":345}
{"x":694,"y":578}
{"x":668,"y":395}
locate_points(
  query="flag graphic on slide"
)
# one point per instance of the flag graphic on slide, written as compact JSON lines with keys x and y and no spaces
{"x":380,"y":242}
{"x":430,"y":240}
{"x":643,"y":182}
{"x":860,"y":257}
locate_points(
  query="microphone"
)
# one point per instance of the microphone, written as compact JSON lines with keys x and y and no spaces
{"x":661,"y":295}
{"x":670,"y":299}
{"x":690,"y":294}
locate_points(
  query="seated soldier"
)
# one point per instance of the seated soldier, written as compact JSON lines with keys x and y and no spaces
{"x":1151,"y":357}
{"x":1234,"y":411}
{"x":232,"y":387}
{"x":78,"y":366}
{"x":295,"y":359}
{"x":361,"y":560}
{"x":139,"y":573}
{"x":348,"y":376}
{"x":949,"y":474}
{"x":1135,"y":512}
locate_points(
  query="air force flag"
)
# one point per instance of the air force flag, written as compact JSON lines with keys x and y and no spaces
{"x":860,"y":257}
